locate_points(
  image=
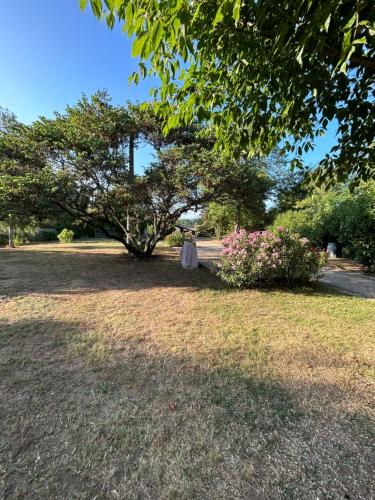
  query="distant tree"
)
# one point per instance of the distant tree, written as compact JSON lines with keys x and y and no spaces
{"x":217,"y":219}
{"x":242,"y":201}
{"x":7,"y":119}
{"x":20,"y":162}
{"x":290,"y":186}
{"x":247,"y":190}
{"x":291,"y":190}
{"x":187,"y":222}
{"x":262,"y":73}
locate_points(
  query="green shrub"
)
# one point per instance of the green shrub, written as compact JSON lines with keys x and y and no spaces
{"x":266,"y":258}
{"x":357,"y":225}
{"x":66,"y":236}
{"x":176,"y":239}
{"x":315,"y":217}
{"x":338,"y":216}
{"x":3,"y":239}
{"x":46,"y":234}
{"x":18,"y":240}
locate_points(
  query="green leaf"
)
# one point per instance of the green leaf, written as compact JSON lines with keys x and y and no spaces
{"x":143,"y":69}
{"x":361,"y":40}
{"x":110,"y":4}
{"x":327,"y":23}
{"x":176,"y":23}
{"x":197,"y":11}
{"x":219,"y":15}
{"x":299,"y":55}
{"x":82,"y":4}
{"x":346,"y":42}
{"x":110,"y":20}
{"x":237,"y":10}
{"x":157,"y":34}
{"x":96,"y":6}
{"x":129,"y":13}
{"x":138,"y":45}
{"x":132,"y":78}
{"x":176,"y":7}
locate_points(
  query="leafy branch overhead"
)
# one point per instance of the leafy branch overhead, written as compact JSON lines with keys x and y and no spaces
{"x":262,"y":73}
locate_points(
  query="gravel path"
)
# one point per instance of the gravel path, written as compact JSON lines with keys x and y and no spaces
{"x":348,"y":277}
{"x":340,"y":273}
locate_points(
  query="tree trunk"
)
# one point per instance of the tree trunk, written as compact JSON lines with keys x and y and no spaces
{"x":139,"y":253}
{"x":144,"y":250}
{"x":237,"y":225}
{"x":131,"y":178}
{"x":11,"y":236}
{"x":131,"y":157}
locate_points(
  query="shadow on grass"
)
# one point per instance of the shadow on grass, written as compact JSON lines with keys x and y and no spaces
{"x":148,"y":423}
{"x":79,"y":271}
{"x":255,"y":402}
{"x":61,"y":403}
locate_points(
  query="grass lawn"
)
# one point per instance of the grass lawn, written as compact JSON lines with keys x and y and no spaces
{"x":125,"y":379}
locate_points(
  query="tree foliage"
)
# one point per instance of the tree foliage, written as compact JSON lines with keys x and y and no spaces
{"x":261,"y":73}
{"x":21,"y":165}
{"x":77,"y":162}
{"x":339,"y":216}
{"x":291,"y":186}
{"x":242,"y":204}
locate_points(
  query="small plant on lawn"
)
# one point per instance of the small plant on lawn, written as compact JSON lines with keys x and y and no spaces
{"x":266,"y":258}
{"x":176,"y":239}
{"x":18,"y":240}
{"x":66,"y":236}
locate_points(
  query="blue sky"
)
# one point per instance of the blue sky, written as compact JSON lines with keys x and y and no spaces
{"x":51,"y":51}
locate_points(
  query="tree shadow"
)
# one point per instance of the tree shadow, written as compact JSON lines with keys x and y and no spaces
{"x":146,"y":422}
{"x":74,"y":271}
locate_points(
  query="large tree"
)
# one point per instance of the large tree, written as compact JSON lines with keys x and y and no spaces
{"x":78,"y":162}
{"x":262,"y":73}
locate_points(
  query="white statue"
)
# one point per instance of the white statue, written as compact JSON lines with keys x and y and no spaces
{"x":189,"y":257}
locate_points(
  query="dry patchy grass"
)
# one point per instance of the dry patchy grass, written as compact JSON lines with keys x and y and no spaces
{"x":126,"y":379}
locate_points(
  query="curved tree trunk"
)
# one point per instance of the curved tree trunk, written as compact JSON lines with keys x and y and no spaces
{"x":140,"y":252}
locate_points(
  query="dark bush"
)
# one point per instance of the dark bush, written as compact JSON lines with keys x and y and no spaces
{"x":46,"y":234}
{"x":3,"y":239}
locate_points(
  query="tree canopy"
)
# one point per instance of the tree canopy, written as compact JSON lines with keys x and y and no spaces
{"x":261,"y":74}
{"x":78,"y":163}
{"x":21,"y":167}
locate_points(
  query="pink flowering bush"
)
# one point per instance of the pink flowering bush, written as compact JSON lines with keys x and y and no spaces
{"x":266,"y":258}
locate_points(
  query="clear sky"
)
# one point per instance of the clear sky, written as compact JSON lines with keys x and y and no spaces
{"x":51,"y":52}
